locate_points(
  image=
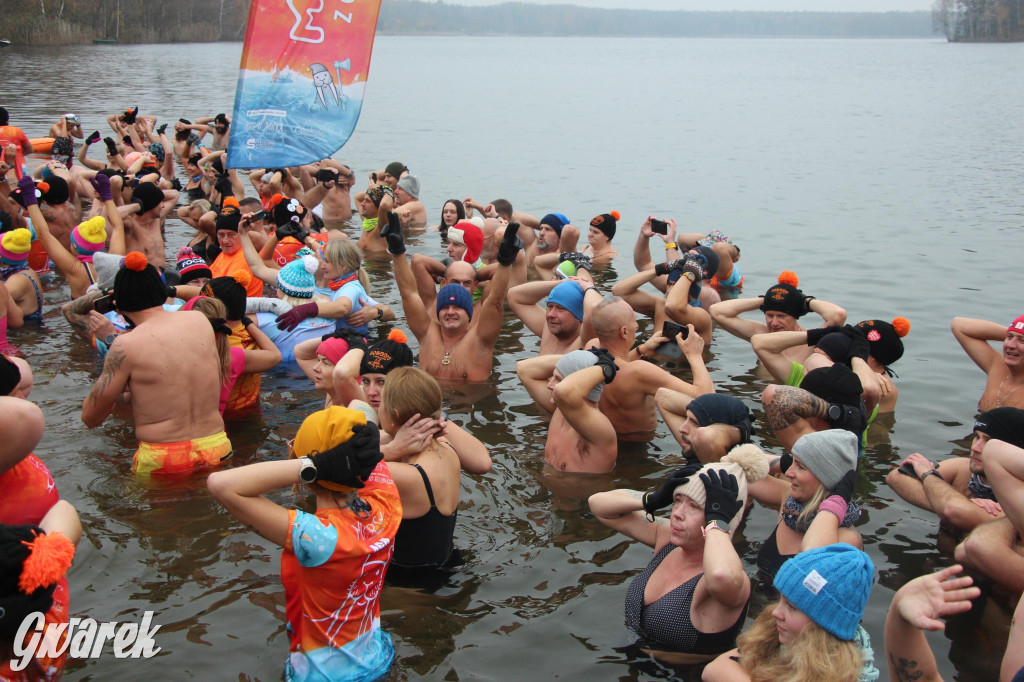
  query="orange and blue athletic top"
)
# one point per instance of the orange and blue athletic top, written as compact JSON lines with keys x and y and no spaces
{"x":333,"y":569}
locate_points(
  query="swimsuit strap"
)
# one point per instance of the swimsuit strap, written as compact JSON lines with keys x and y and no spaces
{"x":426,"y":484}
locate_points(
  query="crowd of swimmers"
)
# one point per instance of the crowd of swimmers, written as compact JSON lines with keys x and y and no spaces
{"x":278,"y":278}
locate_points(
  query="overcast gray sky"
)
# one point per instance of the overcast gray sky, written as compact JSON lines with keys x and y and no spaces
{"x":726,"y":5}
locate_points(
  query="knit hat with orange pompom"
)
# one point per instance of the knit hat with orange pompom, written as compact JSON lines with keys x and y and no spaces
{"x":15,"y":245}
{"x":884,"y":338}
{"x":230,"y":291}
{"x":606,"y":222}
{"x":230,"y":215}
{"x":89,"y":237}
{"x":137,"y":285}
{"x":784,"y":297}
{"x":32,"y":563}
{"x":386,"y":355}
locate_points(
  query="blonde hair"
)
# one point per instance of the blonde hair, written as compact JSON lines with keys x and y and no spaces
{"x":816,"y":655}
{"x":214,"y":308}
{"x":344,"y":253}
{"x":811,"y":506}
{"x":203,"y":204}
{"x":409,"y":391}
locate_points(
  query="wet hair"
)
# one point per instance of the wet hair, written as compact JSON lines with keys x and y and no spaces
{"x":344,"y":253}
{"x":4,"y":117}
{"x":503,"y":207}
{"x":815,"y":655}
{"x":215,"y":309}
{"x":459,"y":208}
{"x":409,"y":391}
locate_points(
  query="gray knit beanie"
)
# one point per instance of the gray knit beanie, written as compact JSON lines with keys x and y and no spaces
{"x":827,"y":454}
{"x":574,"y":362}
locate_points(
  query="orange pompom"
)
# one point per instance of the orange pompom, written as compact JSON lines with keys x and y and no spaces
{"x":398,"y":336}
{"x":616,"y":215}
{"x":136,"y":260}
{"x":43,"y":186}
{"x":277,"y":198}
{"x":229,"y":201}
{"x":49,"y":558}
{"x":242,"y":277}
{"x":901,"y":325}
{"x":789,"y":277}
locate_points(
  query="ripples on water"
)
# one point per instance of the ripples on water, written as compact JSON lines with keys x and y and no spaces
{"x":885,"y":173}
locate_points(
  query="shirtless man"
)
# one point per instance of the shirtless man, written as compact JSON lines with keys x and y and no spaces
{"x":144,"y":218}
{"x":426,"y":269}
{"x":560,"y":324}
{"x":1005,"y":370}
{"x":60,"y":215}
{"x":957,"y":489}
{"x":220,"y":129}
{"x":410,"y":209}
{"x":783,"y":305}
{"x":706,"y":427}
{"x":580,"y":438}
{"x":629,"y":404}
{"x":329,"y":183}
{"x":455,"y":343}
{"x":554,"y":235}
{"x":170,"y":366}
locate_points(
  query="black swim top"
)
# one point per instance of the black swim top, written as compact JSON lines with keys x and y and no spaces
{"x":769,"y":561}
{"x":665,"y":625}
{"x":427,"y":540}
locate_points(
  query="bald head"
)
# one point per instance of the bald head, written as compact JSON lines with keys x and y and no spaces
{"x":461,"y":273}
{"x":610,"y":315}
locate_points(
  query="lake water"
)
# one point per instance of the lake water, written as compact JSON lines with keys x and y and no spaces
{"x":886,"y":173}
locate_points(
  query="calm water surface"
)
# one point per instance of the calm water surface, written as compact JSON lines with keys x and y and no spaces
{"x":885,"y":173}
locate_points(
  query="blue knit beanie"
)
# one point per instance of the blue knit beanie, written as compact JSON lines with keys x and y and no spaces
{"x":455,"y":294}
{"x":297,"y":278}
{"x":569,"y":295}
{"x":556,"y":221}
{"x":831,"y":585}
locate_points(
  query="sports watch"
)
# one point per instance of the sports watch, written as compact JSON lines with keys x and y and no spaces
{"x":307,"y":472}
{"x":715,"y":524}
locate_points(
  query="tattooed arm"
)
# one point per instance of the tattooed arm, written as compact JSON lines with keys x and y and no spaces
{"x":112,"y":383}
{"x":786,"y":404}
{"x":76,"y":312}
{"x":918,"y":606}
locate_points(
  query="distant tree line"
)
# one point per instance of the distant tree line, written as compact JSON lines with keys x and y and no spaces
{"x":57,"y":22}
{"x":980,"y":20}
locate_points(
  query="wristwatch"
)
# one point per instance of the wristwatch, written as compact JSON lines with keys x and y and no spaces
{"x":834,"y":413}
{"x":380,"y":313}
{"x":931,"y":472}
{"x":307,"y":473}
{"x":715,"y":525}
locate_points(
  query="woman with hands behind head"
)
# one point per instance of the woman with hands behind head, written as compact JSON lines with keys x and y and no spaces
{"x":690,"y":602}
{"x":335,"y":559}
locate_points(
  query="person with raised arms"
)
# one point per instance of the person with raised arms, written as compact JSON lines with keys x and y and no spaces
{"x":1004,"y":370}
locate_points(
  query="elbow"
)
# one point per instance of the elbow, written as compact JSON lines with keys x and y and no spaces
{"x":757,"y":341}
{"x":217,"y":484}
{"x":838,"y":317}
{"x":725,"y":583}
{"x":892,"y":480}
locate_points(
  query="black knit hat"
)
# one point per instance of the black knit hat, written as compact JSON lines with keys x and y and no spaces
{"x":287,"y":210}
{"x":784,"y":297}
{"x":835,"y":384}
{"x":15,"y":604}
{"x":230,"y":215}
{"x":148,"y":196}
{"x":384,"y":356}
{"x":10,"y":375}
{"x":231,"y":293}
{"x":1003,"y":423}
{"x":57,"y":191}
{"x":884,"y":338}
{"x":606,"y":222}
{"x":712,"y":258}
{"x":137,"y":285}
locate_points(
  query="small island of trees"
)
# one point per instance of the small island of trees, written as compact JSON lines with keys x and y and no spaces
{"x":980,"y":20}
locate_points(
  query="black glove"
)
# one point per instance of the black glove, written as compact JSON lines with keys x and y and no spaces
{"x":326,"y":175}
{"x":581,"y":261}
{"x":350,"y":463}
{"x":844,"y":488}
{"x":818,"y":333}
{"x":662,"y":497}
{"x":392,"y":232}
{"x":806,"y":303}
{"x":291,"y":229}
{"x":223,"y":186}
{"x":606,"y":361}
{"x":111,"y":145}
{"x":246,"y":320}
{"x":859,"y":346}
{"x":723,"y":492}
{"x":353,"y":338}
{"x":510,"y":245}
{"x":176,"y":184}
{"x":785,"y":462}
{"x":162,"y":129}
{"x":665,"y":268}
{"x":93,"y":138}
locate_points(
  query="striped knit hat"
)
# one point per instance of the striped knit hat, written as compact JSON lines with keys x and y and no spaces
{"x":298,"y":277}
{"x":89,"y":237}
{"x":15,"y":245}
